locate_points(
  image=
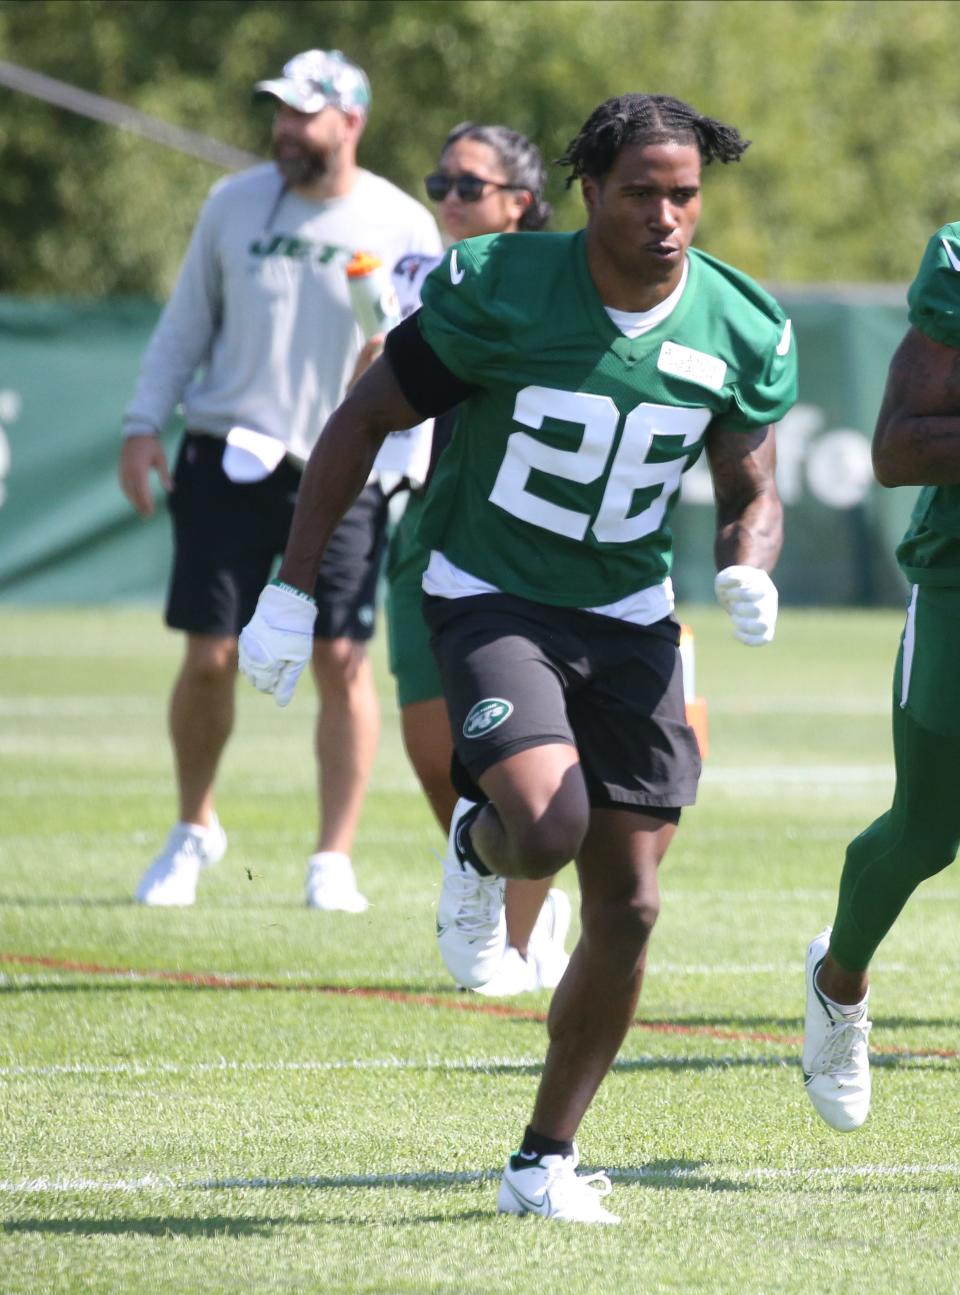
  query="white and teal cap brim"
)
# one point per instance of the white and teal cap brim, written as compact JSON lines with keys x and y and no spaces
{"x":319,"y":79}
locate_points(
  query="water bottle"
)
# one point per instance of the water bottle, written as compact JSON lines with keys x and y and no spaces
{"x":372,"y":294}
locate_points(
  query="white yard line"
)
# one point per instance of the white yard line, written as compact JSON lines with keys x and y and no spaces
{"x":707,"y":1173}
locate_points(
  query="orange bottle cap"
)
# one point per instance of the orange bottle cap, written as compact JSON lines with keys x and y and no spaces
{"x":362,"y":263}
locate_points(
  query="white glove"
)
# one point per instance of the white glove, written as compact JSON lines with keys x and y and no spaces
{"x":278,"y":641}
{"x":750,"y":597}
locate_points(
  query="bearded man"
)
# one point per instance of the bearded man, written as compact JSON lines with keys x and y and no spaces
{"x":258,"y":341}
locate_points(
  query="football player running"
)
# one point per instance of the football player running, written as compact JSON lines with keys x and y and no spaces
{"x":592,"y":368}
{"x":916,"y":442}
{"x":496,"y":938}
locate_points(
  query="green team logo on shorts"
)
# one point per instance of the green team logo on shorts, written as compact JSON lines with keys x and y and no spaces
{"x":486,"y":715}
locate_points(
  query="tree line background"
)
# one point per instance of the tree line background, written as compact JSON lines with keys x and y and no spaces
{"x":853,"y":107}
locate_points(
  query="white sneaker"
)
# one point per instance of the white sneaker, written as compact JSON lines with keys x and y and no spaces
{"x":514,"y":975}
{"x":331,"y":884}
{"x":551,"y":1188}
{"x":171,"y":880}
{"x":471,"y":926}
{"x":836,"y":1062}
{"x":547,"y":937}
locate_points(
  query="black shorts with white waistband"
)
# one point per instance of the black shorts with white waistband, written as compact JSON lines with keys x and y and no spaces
{"x":228,"y":536}
{"x":518,"y":674}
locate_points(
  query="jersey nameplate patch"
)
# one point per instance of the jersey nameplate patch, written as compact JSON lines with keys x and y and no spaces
{"x":696,"y":366}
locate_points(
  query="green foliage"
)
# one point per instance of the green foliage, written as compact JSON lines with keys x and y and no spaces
{"x":852,"y":106}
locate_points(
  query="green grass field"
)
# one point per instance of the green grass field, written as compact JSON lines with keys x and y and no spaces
{"x":263,"y":1128}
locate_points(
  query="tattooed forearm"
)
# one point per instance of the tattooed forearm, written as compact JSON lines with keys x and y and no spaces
{"x":749,"y":511}
{"x":754,"y":538}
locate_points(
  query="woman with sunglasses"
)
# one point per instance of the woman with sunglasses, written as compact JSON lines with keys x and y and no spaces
{"x":489,"y":180}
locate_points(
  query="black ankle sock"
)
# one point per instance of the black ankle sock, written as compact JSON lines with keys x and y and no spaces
{"x":535,"y":1145}
{"x":465,"y":845}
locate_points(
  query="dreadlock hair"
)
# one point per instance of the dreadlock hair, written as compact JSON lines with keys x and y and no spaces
{"x":520,"y":159}
{"x":646,"y":119}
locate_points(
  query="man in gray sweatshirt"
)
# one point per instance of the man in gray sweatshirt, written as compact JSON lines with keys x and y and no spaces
{"x":258,"y":341}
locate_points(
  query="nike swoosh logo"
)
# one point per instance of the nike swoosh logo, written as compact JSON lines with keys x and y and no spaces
{"x":784,"y":344}
{"x":535,"y":1207}
{"x":457,"y":275}
{"x":951,"y":255}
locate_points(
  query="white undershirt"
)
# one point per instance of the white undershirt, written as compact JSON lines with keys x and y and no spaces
{"x":443,"y":579}
{"x":634,"y":323}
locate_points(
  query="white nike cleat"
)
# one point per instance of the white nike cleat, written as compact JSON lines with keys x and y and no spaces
{"x":836,"y":1062}
{"x":551,"y":1187}
{"x":547,"y":937}
{"x":331,"y":884}
{"x":171,"y":880}
{"x":471,"y":926}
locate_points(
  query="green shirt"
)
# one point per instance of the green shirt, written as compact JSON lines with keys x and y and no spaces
{"x":566,"y":462}
{"x":929,"y":552}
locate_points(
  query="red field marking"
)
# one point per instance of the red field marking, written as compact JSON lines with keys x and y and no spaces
{"x":457,"y":1003}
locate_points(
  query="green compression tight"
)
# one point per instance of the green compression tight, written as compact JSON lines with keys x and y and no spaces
{"x":916,"y":838}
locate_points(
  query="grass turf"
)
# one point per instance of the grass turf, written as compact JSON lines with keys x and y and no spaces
{"x":318,"y":1110}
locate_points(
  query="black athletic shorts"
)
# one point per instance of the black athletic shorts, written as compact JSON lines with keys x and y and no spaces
{"x":518,"y":674}
{"x":227,"y":538}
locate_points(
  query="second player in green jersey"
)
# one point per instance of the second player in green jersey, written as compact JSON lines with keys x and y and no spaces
{"x":916,"y":442}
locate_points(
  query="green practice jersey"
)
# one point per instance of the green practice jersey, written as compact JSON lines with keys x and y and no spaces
{"x":566,"y":462}
{"x":929,"y":553}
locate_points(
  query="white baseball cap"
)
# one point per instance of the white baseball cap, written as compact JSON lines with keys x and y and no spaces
{"x":319,"y":79}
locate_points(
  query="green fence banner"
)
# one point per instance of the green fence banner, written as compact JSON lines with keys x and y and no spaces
{"x":67,"y":535}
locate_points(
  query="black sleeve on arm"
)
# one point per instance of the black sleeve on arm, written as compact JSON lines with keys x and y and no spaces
{"x":426,"y":382}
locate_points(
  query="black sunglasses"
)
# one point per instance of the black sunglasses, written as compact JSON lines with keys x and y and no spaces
{"x":469,"y":187}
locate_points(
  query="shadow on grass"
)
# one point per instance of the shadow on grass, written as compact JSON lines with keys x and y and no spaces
{"x":682,"y":1174}
{"x":521,"y":1011}
{"x":791,"y":1025}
